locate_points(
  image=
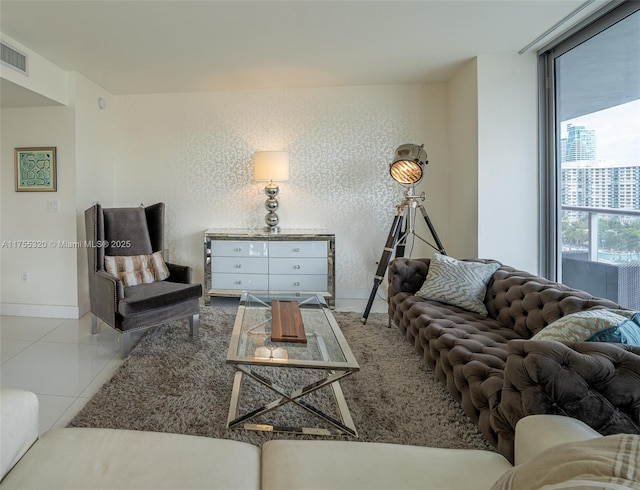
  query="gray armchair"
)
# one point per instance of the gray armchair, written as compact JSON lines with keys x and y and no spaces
{"x":127,"y":306}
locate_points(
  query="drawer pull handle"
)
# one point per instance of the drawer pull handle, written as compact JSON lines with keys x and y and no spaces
{"x":238,"y":249}
{"x":296,"y":284}
{"x":296,"y":249}
{"x":297,"y":266}
{"x":238,"y":282}
{"x":238,"y":266}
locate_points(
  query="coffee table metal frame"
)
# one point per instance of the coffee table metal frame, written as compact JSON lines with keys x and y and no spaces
{"x":335,"y":371}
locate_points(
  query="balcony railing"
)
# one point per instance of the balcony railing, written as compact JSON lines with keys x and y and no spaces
{"x":593,"y":214}
{"x":597,"y":271}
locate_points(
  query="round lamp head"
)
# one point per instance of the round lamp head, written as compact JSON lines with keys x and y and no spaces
{"x":408,"y":164}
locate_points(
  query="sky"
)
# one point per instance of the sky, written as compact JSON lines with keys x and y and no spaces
{"x":617,"y":132}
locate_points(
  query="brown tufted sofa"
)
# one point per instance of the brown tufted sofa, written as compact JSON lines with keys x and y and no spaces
{"x":499,"y":376}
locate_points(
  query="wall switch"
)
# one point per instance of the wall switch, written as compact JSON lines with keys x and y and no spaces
{"x":53,"y":206}
{"x":26,"y":277}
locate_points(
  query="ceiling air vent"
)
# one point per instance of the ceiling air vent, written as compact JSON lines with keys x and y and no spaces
{"x":13,"y":58}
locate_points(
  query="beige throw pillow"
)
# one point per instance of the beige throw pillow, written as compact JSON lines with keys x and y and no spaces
{"x":137,"y":269}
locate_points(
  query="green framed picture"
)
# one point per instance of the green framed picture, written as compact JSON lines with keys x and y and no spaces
{"x":36,"y":169}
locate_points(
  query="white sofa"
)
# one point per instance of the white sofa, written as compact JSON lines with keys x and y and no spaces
{"x":116,"y":459}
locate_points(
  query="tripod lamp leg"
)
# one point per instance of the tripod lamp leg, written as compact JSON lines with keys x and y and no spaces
{"x":432,"y":229}
{"x":392,"y":238}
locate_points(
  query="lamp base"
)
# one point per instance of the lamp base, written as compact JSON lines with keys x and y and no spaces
{"x":271,"y":205}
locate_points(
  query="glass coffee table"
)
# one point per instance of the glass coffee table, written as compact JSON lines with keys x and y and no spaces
{"x":326,"y":350}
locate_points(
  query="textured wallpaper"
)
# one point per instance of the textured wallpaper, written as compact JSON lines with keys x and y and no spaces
{"x":195,"y":152}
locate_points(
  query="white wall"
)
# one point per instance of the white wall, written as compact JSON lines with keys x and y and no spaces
{"x":82,"y":134}
{"x":462,"y":186}
{"x":52,"y":285}
{"x":436,"y":144}
{"x":194,"y":152}
{"x":508,"y":209}
{"x":24,"y":215}
{"x":94,"y":163}
{"x":493,"y":186}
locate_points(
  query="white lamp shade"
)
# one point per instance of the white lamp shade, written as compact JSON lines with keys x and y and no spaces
{"x":271,"y":165}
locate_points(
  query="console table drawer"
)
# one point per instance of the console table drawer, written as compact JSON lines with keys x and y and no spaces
{"x":303,"y":282}
{"x":298,"y":249}
{"x":240,"y":265}
{"x":314,"y":265}
{"x":239,"y":248}
{"x":240,"y":281}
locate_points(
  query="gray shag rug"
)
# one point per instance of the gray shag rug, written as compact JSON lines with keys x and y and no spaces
{"x":173,"y":383}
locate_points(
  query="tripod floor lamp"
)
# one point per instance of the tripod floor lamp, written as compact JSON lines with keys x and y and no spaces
{"x":407,"y":168}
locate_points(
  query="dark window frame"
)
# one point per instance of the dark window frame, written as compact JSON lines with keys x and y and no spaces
{"x":548,"y":147}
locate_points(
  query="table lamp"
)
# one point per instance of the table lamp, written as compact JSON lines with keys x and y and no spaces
{"x":271,"y":166}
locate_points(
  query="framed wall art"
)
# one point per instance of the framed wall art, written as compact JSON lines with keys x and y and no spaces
{"x":36,"y":169}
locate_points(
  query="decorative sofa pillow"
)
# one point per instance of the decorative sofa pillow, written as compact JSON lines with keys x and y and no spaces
{"x":627,"y":332}
{"x":137,"y":269}
{"x":605,"y":462}
{"x":458,"y":283}
{"x":598,"y":325}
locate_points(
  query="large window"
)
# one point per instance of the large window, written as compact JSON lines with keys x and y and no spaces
{"x":591,"y":148}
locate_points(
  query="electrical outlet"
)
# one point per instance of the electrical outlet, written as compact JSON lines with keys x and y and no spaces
{"x":53,"y":206}
{"x":26,"y":277}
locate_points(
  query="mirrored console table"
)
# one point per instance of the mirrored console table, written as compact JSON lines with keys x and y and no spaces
{"x":290,"y":261}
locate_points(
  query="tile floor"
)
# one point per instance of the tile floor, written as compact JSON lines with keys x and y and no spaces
{"x":60,"y":361}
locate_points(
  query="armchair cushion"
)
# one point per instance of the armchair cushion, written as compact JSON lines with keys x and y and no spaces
{"x":137,"y":269}
{"x":145,"y":297}
{"x":126,"y":232}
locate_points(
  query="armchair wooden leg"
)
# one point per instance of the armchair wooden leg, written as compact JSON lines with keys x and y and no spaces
{"x":94,"y":324}
{"x":194,"y":325}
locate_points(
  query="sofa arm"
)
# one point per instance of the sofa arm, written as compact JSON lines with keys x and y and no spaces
{"x":18,"y":426}
{"x":179,"y":273}
{"x":537,"y":433}
{"x":597,"y":383}
{"x":406,"y":275}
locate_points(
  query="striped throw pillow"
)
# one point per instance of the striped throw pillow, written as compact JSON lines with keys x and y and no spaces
{"x":137,"y":269}
{"x":457,"y":283}
{"x":598,"y":325}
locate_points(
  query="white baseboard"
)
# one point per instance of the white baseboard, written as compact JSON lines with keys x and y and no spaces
{"x":84,"y":308}
{"x":47,"y":311}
